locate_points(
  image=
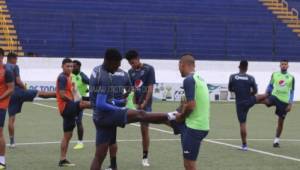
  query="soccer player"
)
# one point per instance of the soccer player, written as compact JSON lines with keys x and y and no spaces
{"x":122,"y":88}
{"x":81,"y":81}
{"x":281,"y":91}
{"x":19,"y":96}
{"x":245,"y":89}
{"x":106,"y":114}
{"x":195,"y":112}
{"x":143,"y":78}
{"x":6,"y":89}
{"x":69,"y":106}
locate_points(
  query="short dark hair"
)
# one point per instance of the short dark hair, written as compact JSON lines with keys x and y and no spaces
{"x":2,"y":52}
{"x":77,"y":62}
{"x":112,"y":54}
{"x":12,"y":55}
{"x":243,"y":64}
{"x":66,"y":60}
{"x":284,"y":60}
{"x":132,"y":54}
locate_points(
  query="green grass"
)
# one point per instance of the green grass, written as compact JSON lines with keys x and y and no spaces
{"x":42,"y":124}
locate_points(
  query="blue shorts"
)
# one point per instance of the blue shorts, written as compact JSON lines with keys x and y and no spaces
{"x":2,"y":117}
{"x":190,"y":140}
{"x":79,"y":118}
{"x":18,"y":98}
{"x":106,"y":126}
{"x":106,"y":135}
{"x":242,"y":108}
{"x":111,"y":119}
{"x":71,"y":111}
{"x":280,"y":106}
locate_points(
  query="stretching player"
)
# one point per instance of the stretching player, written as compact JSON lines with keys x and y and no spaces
{"x":121,"y":82}
{"x":245,"y":89}
{"x":19,"y":96}
{"x":69,"y":105}
{"x":81,"y":81}
{"x":6,"y":89}
{"x":143,"y":78}
{"x":106,"y":115}
{"x":195,"y":112}
{"x":281,"y":91}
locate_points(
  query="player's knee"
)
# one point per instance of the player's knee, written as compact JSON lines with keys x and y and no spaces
{"x":141,"y":114}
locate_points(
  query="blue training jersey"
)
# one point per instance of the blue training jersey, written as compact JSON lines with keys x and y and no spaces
{"x":141,"y":79}
{"x":112,"y":85}
{"x":15,"y":70}
{"x":243,"y":85}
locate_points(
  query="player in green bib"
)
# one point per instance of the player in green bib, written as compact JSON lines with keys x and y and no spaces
{"x":81,"y":81}
{"x":195,"y":112}
{"x":281,"y":91}
{"x":130,"y":104}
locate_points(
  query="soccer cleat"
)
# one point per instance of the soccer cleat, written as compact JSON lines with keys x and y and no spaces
{"x":12,"y":145}
{"x":145,"y":162}
{"x":78,"y":146}
{"x":244,"y":148}
{"x":109,"y":168}
{"x":172,"y":115}
{"x":65,"y":163}
{"x":2,"y":166}
{"x":276,"y":145}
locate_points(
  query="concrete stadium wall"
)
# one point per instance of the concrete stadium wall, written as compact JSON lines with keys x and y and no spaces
{"x":215,"y":72}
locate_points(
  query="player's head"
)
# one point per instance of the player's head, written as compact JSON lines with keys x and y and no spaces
{"x":1,"y":54}
{"x":76,"y":66}
{"x":243,"y":66}
{"x":12,"y":58}
{"x":67,"y":66}
{"x":186,"y":64}
{"x":133,"y":59}
{"x":284,"y":65}
{"x":112,"y":60}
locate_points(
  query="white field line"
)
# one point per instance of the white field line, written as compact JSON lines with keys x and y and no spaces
{"x":92,"y":141}
{"x":206,"y":140}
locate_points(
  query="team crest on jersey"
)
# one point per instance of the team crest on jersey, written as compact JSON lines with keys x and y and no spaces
{"x":282,"y":83}
{"x":138,"y":83}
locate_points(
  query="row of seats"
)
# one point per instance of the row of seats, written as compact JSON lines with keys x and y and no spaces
{"x":213,"y":30}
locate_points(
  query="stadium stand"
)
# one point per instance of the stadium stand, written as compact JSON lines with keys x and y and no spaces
{"x":213,"y":30}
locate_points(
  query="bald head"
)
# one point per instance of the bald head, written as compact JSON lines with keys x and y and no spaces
{"x":186,"y":64}
{"x":187,"y":59}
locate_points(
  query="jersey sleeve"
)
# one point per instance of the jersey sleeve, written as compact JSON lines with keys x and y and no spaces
{"x":151,"y":77}
{"x":62,"y":82}
{"x":189,"y":88}
{"x":84,"y":77}
{"x":9,"y":77}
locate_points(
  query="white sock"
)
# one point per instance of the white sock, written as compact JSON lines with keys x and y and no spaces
{"x":80,"y":142}
{"x":2,"y":159}
{"x":172,"y":115}
{"x":276,"y":140}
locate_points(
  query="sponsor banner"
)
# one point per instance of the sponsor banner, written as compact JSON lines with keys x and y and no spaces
{"x":162,"y":91}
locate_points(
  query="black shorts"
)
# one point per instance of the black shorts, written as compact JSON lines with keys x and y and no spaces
{"x":2,"y":117}
{"x":18,"y":98}
{"x":71,"y":111}
{"x":243,"y":107}
{"x":280,"y":106}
